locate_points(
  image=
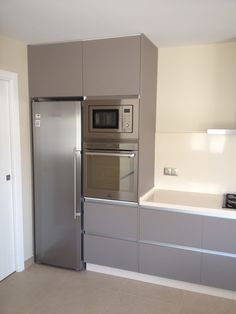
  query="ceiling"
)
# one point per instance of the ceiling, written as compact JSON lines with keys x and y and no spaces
{"x":165,"y":22}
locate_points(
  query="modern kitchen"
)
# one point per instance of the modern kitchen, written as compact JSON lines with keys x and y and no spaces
{"x":132,"y":155}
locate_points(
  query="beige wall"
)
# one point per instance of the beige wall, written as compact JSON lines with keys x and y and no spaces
{"x":196,"y":91}
{"x":13,"y":57}
{"x":196,"y":88}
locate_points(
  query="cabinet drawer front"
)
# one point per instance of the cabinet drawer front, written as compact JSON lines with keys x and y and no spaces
{"x":169,"y":227}
{"x":111,"y":66}
{"x":219,"y":271}
{"x":219,"y":234}
{"x":55,"y":70}
{"x":111,"y":220}
{"x":111,"y":252}
{"x":170,"y":263}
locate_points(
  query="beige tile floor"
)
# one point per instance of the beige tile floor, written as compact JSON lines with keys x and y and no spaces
{"x":47,"y":290}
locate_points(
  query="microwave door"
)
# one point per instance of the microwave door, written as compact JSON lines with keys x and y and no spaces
{"x":107,"y":119}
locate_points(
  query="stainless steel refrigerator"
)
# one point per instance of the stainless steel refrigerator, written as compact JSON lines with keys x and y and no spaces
{"x":57,"y":182}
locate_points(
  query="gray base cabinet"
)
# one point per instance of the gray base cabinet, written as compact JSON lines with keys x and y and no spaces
{"x":111,"y":220}
{"x":219,"y":234}
{"x":111,"y":232}
{"x":111,"y":252}
{"x":219,"y":271}
{"x":170,"y":263}
{"x":179,"y":246}
{"x":169,"y":227}
{"x":188,"y":247}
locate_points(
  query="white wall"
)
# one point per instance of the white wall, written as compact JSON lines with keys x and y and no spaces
{"x":196,"y":91}
{"x":13,"y":57}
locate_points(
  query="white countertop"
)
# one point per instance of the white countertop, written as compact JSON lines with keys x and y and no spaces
{"x":187,"y":202}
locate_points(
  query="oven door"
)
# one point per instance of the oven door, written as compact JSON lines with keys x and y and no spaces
{"x":111,"y":174}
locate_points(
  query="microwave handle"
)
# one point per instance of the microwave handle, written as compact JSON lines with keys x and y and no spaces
{"x":130,"y":155}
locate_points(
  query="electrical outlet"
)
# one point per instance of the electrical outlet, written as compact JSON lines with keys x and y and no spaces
{"x":167,"y":171}
{"x":171,"y":171}
{"x":174,"y":171}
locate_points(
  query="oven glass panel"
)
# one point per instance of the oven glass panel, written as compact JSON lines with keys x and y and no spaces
{"x":110,"y":173}
{"x":105,"y":119}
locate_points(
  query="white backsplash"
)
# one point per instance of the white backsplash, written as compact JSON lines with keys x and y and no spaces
{"x":206,"y":163}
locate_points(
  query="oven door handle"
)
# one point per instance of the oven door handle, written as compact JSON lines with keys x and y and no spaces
{"x":129,"y":155}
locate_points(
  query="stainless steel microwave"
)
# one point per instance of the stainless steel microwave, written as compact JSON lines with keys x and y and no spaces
{"x":111,"y":118}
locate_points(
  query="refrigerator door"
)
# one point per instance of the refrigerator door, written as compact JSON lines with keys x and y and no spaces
{"x":57,"y":182}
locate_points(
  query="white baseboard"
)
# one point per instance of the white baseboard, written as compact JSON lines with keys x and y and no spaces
{"x":29,"y":262}
{"x":162,"y":281}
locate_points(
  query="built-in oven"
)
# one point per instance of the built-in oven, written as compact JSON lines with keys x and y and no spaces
{"x":115,"y":119}
{"x":111,"y":173}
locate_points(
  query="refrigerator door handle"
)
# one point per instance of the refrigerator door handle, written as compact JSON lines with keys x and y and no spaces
{"x":75,"y":153}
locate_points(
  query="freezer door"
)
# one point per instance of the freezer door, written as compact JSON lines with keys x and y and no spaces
{"x":57,"y":182}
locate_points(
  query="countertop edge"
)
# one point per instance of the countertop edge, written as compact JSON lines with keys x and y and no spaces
{"x":186,"y":209}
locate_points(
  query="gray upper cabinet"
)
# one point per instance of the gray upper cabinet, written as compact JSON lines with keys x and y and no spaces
{"x":55,"y":70}
{"x":112,"y":66}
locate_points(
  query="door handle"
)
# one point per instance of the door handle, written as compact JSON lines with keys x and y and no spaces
{"x":75,"y":152}
{"x":8,"y":177}
{"x":130,"y":155}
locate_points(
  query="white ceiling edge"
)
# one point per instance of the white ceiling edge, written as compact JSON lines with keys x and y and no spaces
{"x":166,"y":23}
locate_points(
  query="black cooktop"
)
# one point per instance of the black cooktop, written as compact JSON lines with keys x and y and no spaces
{"x":230,"y":201}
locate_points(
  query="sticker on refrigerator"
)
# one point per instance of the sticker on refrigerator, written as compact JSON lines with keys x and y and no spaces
{"x":37,"y":123}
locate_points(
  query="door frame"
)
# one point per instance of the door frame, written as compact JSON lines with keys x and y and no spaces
{"x":16,"y":175}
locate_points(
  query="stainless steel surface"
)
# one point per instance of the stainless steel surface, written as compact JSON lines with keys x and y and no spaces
{"x":111,"y":154}
{"x":56,"y":200}
{"x":117,"y":97}
{"x":111,"y":174}
{"x":110,"y":145}
{"x":124,"y":120}
{"x":120,"y":133}
{"x":110,"y":202}
{"x":77,"y":181}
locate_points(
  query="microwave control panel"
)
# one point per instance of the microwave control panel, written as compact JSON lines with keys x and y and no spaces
{"x":127,"y":119}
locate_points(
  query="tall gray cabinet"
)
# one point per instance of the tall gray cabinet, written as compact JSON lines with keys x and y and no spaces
{"x":125,"y":66}
{"x":121,"y":66}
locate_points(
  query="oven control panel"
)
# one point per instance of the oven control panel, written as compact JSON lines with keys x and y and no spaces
{"x":127,"y":119}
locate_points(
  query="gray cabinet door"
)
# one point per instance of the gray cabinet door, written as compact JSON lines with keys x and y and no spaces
{"x":219,"y":271}
{"x":111,"y":252}
{"x":55,"y":70}
{"x":170,"y":263}
{"x":111,"y":220}
{"x":219,"y":234}
{"x":169,"y":227}
{"x":111,"y":66}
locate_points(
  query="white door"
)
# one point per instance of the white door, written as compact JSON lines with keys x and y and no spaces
{"x":7,"y":258}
